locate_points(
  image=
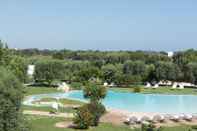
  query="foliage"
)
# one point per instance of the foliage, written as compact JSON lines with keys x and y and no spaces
{"x":137,"y":89}
{"x":167,"y":71}
{"x":97,"y":110}
{"x":135,"y":69}
{"x":83,"y":118}
{"x":89,"y":114}
{"x":148,"y":127}
{"x":49,"y":70}
{"x":108,"y":73}
{"x":87,"y":73}
{"x":18,"y":66}
{"x":191,"y":73}
{"x":10,"y":99}
{"x":76,"y":85}
{"x":94,"y":92}
{"x":119,"y":67}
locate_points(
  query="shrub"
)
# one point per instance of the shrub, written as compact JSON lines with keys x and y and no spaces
{"x":149,"y":127}
{"x":83,"y":118}
{"x":97,"y":110}
{"x":90,"y":114}
{"x":137,"y":89}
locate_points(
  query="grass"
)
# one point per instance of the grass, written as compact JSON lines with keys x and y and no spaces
{"x":39,"y":90}
{"x":39,"y":123}
{"x":48,"y":109}
{"x":161,"y":90}
{"x":63,"y":101}
{"x":42,"y":123}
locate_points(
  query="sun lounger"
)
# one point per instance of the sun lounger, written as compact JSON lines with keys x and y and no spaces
{"x":188,"y":117}
{"x":194,"y":116}
{"x":155,"y":86}
{"x":158,"y":118}
{"x":146,"y":118}
{"x":131,"y":120}
{"x":175,"y":118}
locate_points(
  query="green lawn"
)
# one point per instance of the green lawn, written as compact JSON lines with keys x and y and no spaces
{"x":48,"y":109}
{"x":161,"y":90}
{"x":63,"y":101}
{"x":38,"y":123}
{"x":39,"y":90}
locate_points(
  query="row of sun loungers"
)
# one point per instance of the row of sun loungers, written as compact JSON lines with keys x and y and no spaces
{"x":155,"y":87}
{"x":159,"y":118}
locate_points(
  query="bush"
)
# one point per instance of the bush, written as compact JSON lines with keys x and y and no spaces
{"x":83,"y":118}
{"x":137,"y":89}
{"x":149,"y":127}
{"x":97,"y":110}
{"x":89,"y":115}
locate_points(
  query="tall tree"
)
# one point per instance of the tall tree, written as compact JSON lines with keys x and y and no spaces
{"x":10,"y":100}
{"x":49,"y":70}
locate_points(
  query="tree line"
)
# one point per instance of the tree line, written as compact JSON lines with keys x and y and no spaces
{"x":119,"y":67}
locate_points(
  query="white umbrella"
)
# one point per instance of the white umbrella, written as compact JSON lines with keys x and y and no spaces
{"x":55,"y":106}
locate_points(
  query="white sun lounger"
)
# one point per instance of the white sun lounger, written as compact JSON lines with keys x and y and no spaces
{"x":146,"y":118}
{"x":175,"y":118}
{"x":131,"y":120}
{"x":158,"y":118}
{"x":188,"y":117}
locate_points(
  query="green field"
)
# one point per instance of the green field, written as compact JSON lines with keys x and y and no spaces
{"x":161,"y":90}
{"x":39,"y":90}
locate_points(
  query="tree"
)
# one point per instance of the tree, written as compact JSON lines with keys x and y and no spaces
{"x":18,"y":66}
{"x":167,"y":71}
{"x":58,"y":55}
{"x":87,"y":73}
{"x":5,"y":54}
{"x":135,"y":70}
{"x":191,"y":73}
{"x":108,"y":73}
{"x":49,"y":70}
{"x":10,"y":100}
{"x":94,"y":92}
{"x":89,"y":114}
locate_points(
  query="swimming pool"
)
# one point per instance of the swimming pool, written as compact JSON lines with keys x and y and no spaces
{"x":135,"y":102}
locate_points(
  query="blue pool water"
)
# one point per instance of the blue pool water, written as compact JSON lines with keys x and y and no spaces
{"x":138,"y":102}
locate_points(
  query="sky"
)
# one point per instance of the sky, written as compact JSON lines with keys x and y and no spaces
{"x":160,"y":25}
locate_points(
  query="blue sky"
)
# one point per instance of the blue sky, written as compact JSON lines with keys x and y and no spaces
{"x":99,"y":24}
